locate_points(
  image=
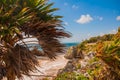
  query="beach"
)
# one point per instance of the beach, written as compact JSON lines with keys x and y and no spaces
{"x":48,"y":68}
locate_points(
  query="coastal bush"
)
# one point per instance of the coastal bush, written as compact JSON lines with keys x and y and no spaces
{"x":105,"y":63}
{"x":110,"y":54}
{"x":71,"y":76}
{"x":106,"y":37}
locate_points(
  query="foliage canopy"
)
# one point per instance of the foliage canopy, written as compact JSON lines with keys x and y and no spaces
{"x":21,"y":19}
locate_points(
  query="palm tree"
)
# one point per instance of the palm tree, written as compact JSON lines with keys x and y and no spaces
{"x":21,"y":19}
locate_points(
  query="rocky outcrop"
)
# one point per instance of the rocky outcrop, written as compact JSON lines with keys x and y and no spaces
{"x":73,"y":52}
{"x":70,"y":54}
{"x":76,"y":63}
{"x":70,"y":66}
{"x":90,"y":67}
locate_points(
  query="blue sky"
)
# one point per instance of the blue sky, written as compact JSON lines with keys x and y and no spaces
{"x":87,"y":18}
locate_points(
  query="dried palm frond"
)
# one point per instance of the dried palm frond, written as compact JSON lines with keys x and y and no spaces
{"x":19,"y":60}
{"x":47,"y":34}
{"x":34,"y":18}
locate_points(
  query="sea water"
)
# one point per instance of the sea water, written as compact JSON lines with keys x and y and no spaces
{"x":39,"y":48}
{"x":71,"y":44}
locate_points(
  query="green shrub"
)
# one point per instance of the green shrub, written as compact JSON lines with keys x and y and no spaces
{"x":71,"y":76}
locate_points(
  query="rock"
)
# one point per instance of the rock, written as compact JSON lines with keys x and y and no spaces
{"x":69,"y":66}
{"x":86,"y":58}
{"x":59,"y":71}
{"x":83,"y":63}
{"x":79,"y":54}
{"x":91,"y":54}
{"x":73,"y":52}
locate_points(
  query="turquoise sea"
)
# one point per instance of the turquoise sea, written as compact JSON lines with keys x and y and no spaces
{"x":71,"y":44}
{"x":38,"y":46}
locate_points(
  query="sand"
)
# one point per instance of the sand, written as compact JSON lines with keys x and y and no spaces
{"x":48,"y":67}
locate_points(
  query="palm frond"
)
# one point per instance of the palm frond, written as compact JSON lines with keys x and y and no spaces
{"x":34,"y":18}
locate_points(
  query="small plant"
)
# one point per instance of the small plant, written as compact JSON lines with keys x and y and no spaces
{"x":78,"y":66}
{"x":71,"y":76}
{"x":81,"y":77}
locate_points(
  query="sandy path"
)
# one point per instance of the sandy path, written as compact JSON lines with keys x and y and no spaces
{"x":48,"y":67}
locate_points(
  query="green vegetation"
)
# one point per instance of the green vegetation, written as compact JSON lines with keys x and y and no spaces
{"x":105,"y":65}
{"x":22,"y":19}
{"x":110,"y":54}
{"x":106,"y":37}
{"x":71,"y":76}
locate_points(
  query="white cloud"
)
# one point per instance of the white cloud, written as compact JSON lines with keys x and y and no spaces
{"x":99,"y":18}
{"x":84,"y":19}
{"x":101,"y":34}
{"x":113,"y":31}
{"x":118,"y":18}
{"x":66,"y":23}
{"x":65,"y":4}
{"x":89,"y":35}
{"x":75,"y":7}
